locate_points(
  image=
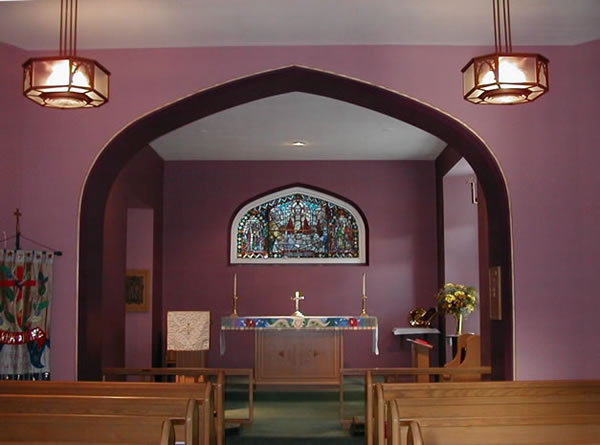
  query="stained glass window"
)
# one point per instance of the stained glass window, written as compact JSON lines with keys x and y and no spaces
{"x":298,"y":225}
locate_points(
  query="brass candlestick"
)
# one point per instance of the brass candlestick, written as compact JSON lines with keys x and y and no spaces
{"x":297,"y":299}
{"x":234,"y":310}
{"x":235,"y":297}
{"x":363,"y":311}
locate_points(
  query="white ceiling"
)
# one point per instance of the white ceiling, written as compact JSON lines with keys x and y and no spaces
{"x":265,"y":130}
{"x":461,"y":168}
{"x":183,"y":23}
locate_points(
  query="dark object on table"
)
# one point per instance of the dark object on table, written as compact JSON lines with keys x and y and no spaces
{"x":421,"y":318}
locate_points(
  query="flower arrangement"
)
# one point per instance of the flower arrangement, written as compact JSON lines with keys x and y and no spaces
{"x":458,"y":300}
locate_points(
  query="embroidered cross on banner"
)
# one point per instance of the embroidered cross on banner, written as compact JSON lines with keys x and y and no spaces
{"x":19,"y":283}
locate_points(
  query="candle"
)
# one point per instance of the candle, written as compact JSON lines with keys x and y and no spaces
{"x":235,"y":285}
{"x":364,"y":284}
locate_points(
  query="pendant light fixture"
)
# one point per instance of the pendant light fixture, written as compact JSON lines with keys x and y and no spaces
{"x":504,"y":77}
{"x":66,"y":81}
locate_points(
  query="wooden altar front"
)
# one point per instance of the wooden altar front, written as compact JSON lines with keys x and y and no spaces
{"x":298,"y":350}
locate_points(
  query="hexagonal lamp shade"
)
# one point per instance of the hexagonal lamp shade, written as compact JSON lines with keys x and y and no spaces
{"x":505,"y":78}
{"x":65,"y":82}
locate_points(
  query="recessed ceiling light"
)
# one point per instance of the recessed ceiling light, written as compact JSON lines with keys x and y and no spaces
{"x":299,"y":144}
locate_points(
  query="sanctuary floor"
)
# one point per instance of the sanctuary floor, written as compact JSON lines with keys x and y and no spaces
{"x":294,"y":417}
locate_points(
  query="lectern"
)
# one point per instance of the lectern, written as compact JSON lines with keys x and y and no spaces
{"x":420,"y":357}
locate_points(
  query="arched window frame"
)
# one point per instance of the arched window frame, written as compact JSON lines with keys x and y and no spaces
{"x":356,"y":214}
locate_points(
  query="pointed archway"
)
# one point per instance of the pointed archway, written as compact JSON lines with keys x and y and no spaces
{"x":123,"y":146}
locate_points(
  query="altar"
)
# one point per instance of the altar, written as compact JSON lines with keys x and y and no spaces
{"x":299,"y":350}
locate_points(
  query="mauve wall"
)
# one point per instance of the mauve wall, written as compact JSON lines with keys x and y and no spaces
{"x":139,"y":185}
{"x":547,"y":150}
{"x":587,"y":206}
{"x":113,"y":279}
{"x":398,"y":201}
{"x":11,"y":143}
{"x":140,"y":255}
{"x":461,"y":246}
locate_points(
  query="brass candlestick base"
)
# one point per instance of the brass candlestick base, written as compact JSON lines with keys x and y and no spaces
{"x":234,"y":312}
{"x":363,"y":311}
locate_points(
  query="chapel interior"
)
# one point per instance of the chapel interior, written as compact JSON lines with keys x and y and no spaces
{"x":298,"y":224}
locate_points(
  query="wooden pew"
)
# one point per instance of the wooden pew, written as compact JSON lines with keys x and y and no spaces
{"x":198,"y":375}
{"x":184,"y":412}
{"x":81,"y":428}
{"x":129,"y":398}
{"x":522,"y":412}
{"x":195,"y":375}
{"x":369,"y":373}
{"x":520,"y":430}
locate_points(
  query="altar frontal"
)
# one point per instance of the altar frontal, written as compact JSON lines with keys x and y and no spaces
{"x":298,"y":349}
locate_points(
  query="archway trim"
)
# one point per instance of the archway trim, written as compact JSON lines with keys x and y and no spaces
{"x":143,"y":130}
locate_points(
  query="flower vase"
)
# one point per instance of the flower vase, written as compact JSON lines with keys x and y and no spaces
{"x":459,"y":323}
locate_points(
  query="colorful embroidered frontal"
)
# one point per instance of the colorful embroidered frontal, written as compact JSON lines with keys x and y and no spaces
{"x":274,"y":322}
{"x":334,"y":323}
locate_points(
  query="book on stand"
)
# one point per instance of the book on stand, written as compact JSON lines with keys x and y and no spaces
{"x":420,"y":342}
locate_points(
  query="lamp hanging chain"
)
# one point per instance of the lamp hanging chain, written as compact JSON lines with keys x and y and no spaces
{"x":502,"y":26}
{"x":61,"y":40}
{"x":70,"y":49}
{"x":507,"y":38}
{"x":509,"y":31}
{"x":75,"y":28}
{"x":68,"y":27}
{"x":496,"y":25}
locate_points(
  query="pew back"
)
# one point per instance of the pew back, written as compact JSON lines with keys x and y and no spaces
{"x":127,"y":398}
{"x":81,"y":428}
{"x":190,"y":391}
{"x":369,"y":373}
{"x":99,"y":405}
{"x":457,"y":407}
{"x":495,"y":430}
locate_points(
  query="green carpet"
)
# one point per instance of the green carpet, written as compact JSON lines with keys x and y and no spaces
{"x":297,"y":417}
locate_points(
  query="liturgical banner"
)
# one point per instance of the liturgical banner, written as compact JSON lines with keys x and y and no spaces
{"x":345,"y":323}
{"x":25,"y":297}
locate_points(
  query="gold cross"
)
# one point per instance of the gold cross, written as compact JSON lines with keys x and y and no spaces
{"x":297,"y":299}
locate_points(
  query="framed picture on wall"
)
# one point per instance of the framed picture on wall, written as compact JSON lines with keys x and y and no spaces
{"x":137,"y":290}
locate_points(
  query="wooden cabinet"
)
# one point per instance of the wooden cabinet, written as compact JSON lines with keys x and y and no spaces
{"x":298,"y":357}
